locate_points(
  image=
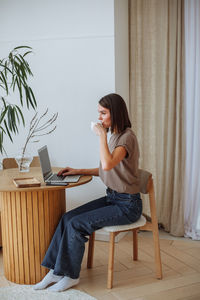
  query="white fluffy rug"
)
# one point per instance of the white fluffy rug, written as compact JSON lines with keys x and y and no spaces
{"x":25,"y":292}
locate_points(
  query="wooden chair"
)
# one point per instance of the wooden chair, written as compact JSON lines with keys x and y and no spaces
{"x":146,"y":187}
{"x":9,"y":163}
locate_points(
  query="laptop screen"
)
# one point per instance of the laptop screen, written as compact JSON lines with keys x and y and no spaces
{"x":44,"y":161}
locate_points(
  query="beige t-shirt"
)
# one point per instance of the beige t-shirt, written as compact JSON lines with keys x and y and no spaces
{"x":123,"y":178}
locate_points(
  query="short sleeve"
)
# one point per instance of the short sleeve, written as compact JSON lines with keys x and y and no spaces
{"x":128,"y":142}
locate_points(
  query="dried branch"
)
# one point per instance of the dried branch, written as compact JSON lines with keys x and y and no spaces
{"x":37,"y":130}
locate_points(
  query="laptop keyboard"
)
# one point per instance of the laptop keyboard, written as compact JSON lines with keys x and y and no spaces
{"x":70,"y":178}
{"x":57,"y":178}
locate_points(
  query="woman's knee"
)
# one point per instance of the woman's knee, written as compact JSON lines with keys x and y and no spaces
{"x":67,"y":217}
{"x":81,"y":225}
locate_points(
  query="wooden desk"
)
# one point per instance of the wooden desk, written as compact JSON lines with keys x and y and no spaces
{"x":29,"y":217}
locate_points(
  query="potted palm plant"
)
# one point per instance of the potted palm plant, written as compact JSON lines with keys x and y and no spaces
{"x":14,"y":76}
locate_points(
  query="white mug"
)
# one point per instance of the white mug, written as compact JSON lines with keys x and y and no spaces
{"x":92,"y":125}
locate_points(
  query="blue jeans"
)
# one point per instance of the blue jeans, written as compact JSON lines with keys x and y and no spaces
{"x":67,"y":246}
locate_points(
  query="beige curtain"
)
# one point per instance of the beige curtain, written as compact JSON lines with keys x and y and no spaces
{"x":156,"y":101}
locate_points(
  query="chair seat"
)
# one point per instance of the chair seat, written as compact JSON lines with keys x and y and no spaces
{"x":139,"y":223}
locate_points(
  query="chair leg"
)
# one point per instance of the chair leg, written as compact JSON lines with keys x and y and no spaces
{"x":135,"y":244}
{"x":90,"y":251}
{"x":155,"y":231}
{"x":157,"y":253}
{"x":111,"y":260}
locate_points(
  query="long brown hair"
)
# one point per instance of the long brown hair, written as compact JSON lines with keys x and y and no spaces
{"x":118,"y":112}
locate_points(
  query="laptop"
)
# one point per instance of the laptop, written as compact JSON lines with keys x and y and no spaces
{"x":51,"y":178}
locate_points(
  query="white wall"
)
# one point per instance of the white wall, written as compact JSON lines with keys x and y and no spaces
{"x":74,"y":66}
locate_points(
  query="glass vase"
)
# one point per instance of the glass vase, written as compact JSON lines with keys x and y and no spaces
{"x":24,"y":162}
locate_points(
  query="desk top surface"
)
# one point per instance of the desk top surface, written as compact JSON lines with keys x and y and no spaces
{"x":7,"y":176}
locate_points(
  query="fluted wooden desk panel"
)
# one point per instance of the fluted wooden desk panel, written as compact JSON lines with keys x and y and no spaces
{"x":29,"y":217}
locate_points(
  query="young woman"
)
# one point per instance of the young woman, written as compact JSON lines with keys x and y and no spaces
{"x":121,"y":205}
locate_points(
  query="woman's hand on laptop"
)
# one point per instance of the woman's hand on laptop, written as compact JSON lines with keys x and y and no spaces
{"x":68,"y":171}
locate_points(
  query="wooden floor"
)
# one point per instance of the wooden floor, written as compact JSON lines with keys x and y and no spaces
{"x":136,"y":280}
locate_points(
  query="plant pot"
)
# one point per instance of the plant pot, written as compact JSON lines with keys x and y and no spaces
{"x":24,"y":162}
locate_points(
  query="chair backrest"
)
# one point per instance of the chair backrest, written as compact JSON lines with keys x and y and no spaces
{"x":9,"y":163}
{"x":145,"y":179}
{"x":35,"y":162}
{"x":147,"y":187}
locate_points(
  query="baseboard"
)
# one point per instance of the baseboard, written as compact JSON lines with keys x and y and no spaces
{"x":101,"y":235}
